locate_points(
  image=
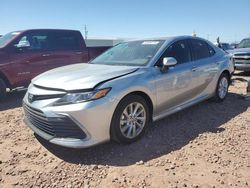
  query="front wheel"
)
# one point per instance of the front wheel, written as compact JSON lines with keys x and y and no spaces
{"x":130,"y":119}
{"x":222,"y":88}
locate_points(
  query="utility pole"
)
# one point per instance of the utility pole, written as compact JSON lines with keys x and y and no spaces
{"x":86,"y":32}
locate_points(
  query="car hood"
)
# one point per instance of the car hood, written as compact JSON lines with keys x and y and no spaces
{"x":239,"y":50}
{"x":80,"y":76}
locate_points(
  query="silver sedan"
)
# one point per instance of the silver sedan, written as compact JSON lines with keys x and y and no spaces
{"x":116,"y":95}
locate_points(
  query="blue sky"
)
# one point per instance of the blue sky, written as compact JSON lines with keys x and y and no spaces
{"x":229,"y":19}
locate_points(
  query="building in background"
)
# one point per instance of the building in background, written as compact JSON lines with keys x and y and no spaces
{"x":102,"y":44}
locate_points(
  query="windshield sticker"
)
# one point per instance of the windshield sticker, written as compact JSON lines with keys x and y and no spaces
{"x":150,"y":43}
{"x":15,"y":33}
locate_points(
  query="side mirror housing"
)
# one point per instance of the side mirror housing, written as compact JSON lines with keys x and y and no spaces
{"x":22,"y":45}
{"x":168,"y":62}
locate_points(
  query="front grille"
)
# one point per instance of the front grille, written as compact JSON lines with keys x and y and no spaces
{"x":241,"y":58}
{"x":242,"y":54}
{"x":44,"y":97}
{"x":62,"y":127}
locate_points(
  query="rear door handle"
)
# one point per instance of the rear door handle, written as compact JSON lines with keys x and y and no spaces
{"x":78,"y":53}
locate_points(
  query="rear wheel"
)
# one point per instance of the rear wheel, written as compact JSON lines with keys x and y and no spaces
{"x":2,"y":88}
{"x":222,"y":88}
{"x":130,"y":119}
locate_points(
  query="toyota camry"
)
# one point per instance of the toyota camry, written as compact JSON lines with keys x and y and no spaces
{"x":117,"y":95}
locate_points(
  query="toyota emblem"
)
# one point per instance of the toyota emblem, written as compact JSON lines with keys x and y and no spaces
{"x":30,"y":97}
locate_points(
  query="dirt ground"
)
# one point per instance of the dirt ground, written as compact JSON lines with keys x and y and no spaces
{"x":207,"y":145}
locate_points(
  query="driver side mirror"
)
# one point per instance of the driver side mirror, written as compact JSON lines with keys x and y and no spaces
{"x":168,"y":62}
{"x":22,"y":45}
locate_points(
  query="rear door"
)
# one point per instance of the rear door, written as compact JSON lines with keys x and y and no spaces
{"x":205,"y":66}
{"x":27,"y":56}
{"x":68,"y":48}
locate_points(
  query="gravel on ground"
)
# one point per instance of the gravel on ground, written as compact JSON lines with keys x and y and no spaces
{"x":207,"y":145}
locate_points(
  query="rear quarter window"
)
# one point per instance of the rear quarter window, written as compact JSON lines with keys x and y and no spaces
{"x":211,"y":50}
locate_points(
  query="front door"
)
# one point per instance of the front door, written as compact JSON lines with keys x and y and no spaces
{"x":174,"y":87}
{"x":29,"y":56}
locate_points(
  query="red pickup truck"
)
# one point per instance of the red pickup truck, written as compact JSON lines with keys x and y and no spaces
{"x":25,"y":54}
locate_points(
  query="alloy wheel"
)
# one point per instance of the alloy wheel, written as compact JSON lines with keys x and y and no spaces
{"x":223,"y":87}
{"x":132,"y":120}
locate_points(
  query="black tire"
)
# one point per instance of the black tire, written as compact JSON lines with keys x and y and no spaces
{"x":2,"y":89}
{"x":218,"y":97}
{"x":116,"y":133}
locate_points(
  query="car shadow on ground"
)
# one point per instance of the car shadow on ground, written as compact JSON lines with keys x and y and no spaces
{"x":163,"y":137}
{"x":12,"y":100}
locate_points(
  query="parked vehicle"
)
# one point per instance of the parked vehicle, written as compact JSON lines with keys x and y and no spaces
{"x":241,"y":55}
{"x":248,"y":91}
{"x":117,"y":94}
{"x":225,"y":46}
{"x":25,"y":54}
{"x":234,"y":45}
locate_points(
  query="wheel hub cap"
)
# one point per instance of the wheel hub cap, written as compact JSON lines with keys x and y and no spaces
{"x":223,"y":86}
{"x":132,"y":120}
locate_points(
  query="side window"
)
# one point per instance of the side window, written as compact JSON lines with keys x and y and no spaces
{"x":200,"y":49}
{"x":180,"y":51}
{"x":211,"y":50}
{"x":66,"y":41}
{"x":34,"y":41}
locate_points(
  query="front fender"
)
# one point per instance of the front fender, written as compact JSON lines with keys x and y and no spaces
{"x":139,"y":81}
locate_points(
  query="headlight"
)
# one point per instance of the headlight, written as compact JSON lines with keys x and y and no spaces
{"x":73,"y":98}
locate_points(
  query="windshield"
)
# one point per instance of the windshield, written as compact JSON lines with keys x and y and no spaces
{"x":7,"y":38}
{"x":135,"y":53}
{"x":245,"y":43}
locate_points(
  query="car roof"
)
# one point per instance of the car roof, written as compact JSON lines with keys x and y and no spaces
{"x":246,"y":39}
{"x":26,"y":30}
{"x":168,"y":38}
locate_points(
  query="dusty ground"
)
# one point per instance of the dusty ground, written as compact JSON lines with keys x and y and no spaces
{"x":207,"y":145}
